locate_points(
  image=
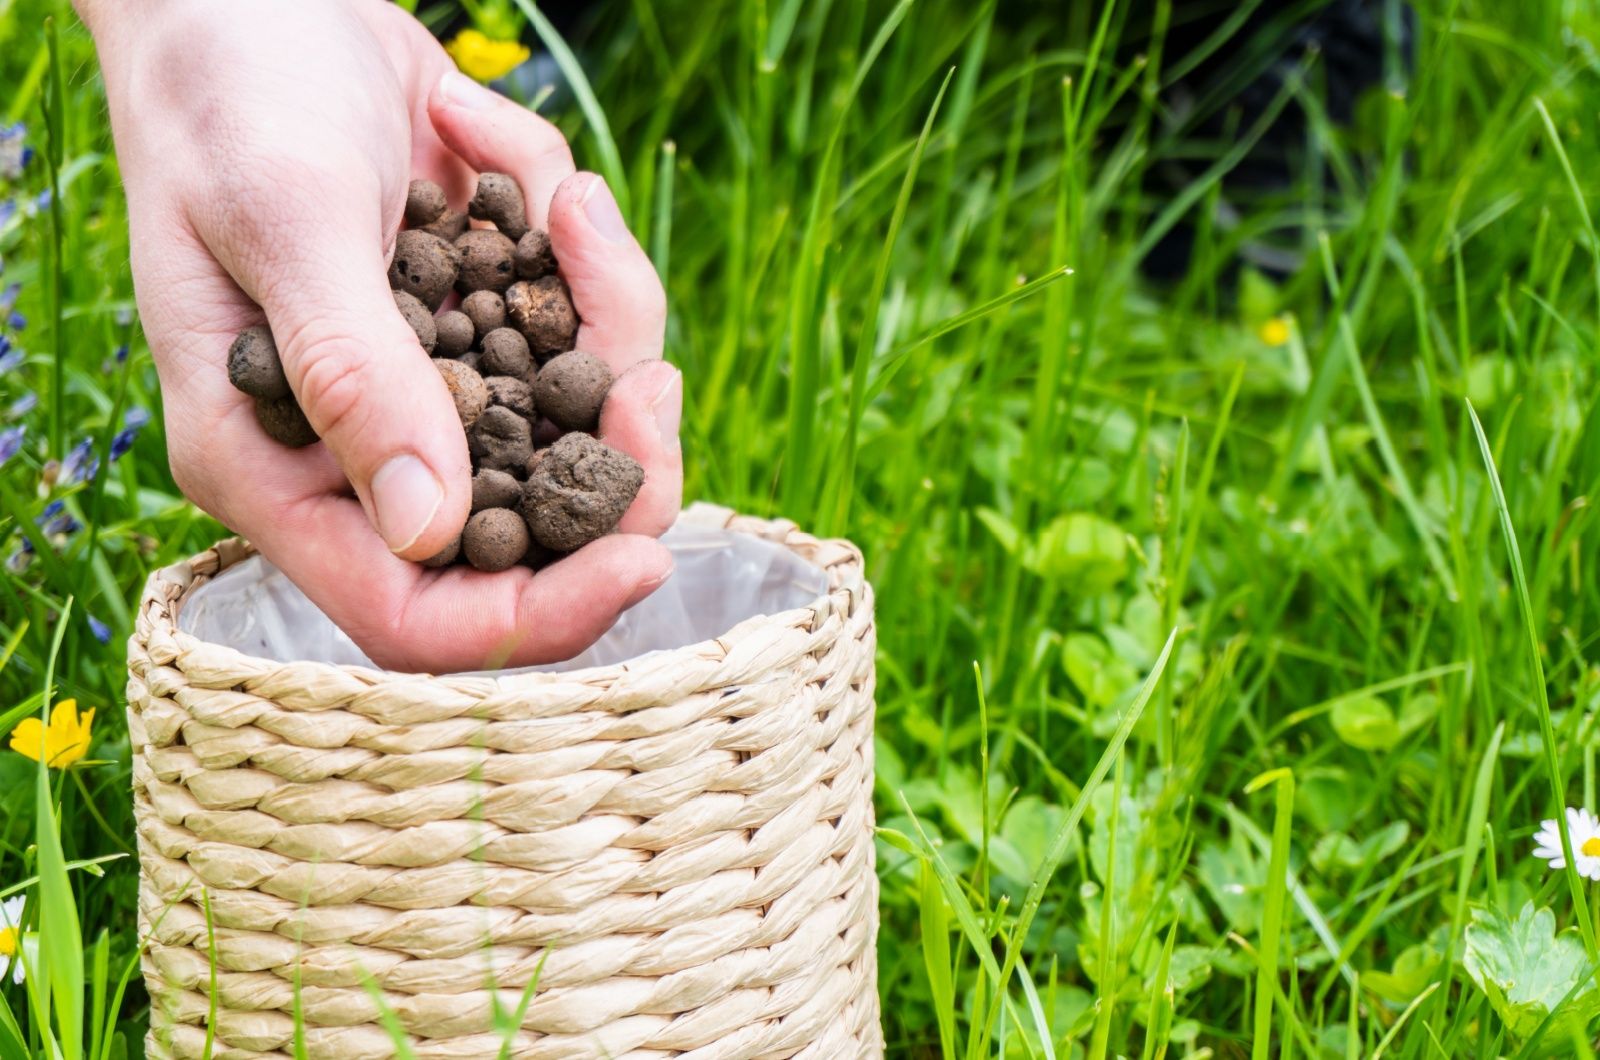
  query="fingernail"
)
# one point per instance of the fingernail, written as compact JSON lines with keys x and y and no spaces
{"x":462,"y":91}
{"x":668,"y":409}
{"x":406,"y":496}
{"x":645,"y":588}
{"x":600,"y":206}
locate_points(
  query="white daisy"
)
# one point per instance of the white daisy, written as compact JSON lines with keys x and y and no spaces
{"x":1584,"y":829}
{"x":11,"y":937}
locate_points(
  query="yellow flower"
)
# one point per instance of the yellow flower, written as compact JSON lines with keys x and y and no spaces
{"x":483,"y":58}
{"x":66,"y":741}
{"x":1274,"y":332}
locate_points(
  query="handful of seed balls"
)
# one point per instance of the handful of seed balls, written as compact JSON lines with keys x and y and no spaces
{"x":542,"y":485}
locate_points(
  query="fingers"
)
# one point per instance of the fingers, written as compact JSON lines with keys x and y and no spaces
{"x":614,"y":286}
{"x":493,"y":134}
{"x":640,"y":418}
{"x":408,"y":618}
{"x":369,"y":389}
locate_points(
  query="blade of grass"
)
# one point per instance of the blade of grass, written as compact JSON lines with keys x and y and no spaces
{"x":1282,"y":780}
{"x":935,"y":921}
{"x":868,"y":340}
{"x":1547,"y":734}
{"x":593,"y":113}
{"x":61,"y":939}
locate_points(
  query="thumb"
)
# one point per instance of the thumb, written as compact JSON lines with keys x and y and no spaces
{"x":372,"y":393}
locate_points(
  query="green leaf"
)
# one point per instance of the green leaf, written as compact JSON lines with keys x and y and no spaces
{"x":1336,"y":851}
{"x":1100,"y":675}
{"x":1414,"y":969}
{"x":1086,"y":552}
{"x":1005,"y":533}
{"x":1028,"y":826}
{"x":1418,"y":711}
{"x":1366,"y":722}
{"x":1525,"y":967}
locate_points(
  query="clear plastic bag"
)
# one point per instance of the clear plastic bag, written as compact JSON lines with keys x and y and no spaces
{"x":721,"y":578}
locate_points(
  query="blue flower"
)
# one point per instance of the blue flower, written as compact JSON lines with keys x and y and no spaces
{"x":123,"y":317}
{"x":120,"y":353}
{"x":81,"y":465}
{"x":122,"y":441}
{"x":11,"y":357}
{"x":23,"y":405}
{"x":51,"y":510}
{"x":11,"y":443}
{"x":8,"y":210}
{"x":43,"y":201}
{"x":135,"y":418}
{"x":17,"y":321}
{"x":17,"y":562}
{"x":101,"y":631}
{"x":63,"y":524}
{"x":8,"y":297}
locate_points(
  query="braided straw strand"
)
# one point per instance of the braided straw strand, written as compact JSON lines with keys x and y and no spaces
{"x":677,"y":850}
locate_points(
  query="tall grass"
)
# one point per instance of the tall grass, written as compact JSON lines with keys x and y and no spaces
{"x":1190,"y":532}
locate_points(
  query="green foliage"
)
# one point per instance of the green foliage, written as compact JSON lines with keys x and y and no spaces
{"x":1529,"y":970}
{"x":905,"y":247}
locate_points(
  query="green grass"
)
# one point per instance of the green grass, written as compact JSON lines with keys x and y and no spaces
{"x":903,"y":248}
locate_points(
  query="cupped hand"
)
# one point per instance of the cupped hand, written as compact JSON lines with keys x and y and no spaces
{"x":266,"y":147}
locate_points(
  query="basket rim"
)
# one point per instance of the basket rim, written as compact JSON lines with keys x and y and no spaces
{"x":168,"y":587}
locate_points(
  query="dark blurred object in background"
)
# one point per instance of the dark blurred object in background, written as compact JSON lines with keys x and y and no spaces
{"x":1349,"y":48}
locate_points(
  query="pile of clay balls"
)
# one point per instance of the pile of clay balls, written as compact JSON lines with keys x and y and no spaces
{"x":542,"y":485}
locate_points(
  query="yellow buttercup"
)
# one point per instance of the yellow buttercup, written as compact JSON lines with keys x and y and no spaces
{"x":63,"y":743}
{"x":483,"y":58}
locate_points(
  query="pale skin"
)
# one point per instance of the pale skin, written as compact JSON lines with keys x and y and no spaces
{"x":266,"y":147}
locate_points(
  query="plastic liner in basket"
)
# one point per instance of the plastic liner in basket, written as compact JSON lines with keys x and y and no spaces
{"x":720,"y":578}
{"x":678,"y":846}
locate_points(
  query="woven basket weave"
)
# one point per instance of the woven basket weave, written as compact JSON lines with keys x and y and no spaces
{"x":683,"y":843}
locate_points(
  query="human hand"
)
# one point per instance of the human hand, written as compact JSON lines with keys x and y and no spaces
{"x":266,"y":147}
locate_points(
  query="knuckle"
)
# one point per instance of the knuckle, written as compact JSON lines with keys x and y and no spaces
{"x":334,"y":378}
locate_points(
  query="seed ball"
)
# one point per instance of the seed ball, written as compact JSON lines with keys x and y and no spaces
{"x":542,"y":311}
{"x":285,"y":422}
{"x":505,"y":352}
{"x":466,"y":387}
{"x":255,"y":367}
{"x":578,"y":492}
{"x":534,"y":258}
{"x":570,"y":390}
{"x":446,"y":555}
{"x":455,"y":333}
{"x":498,"y":199}
{"x":514,"y":394}
{"x":486,"y":263}
{"x":501,"y":440}
{"x":486,"y":310}
{"x":419,"y":318}
{"x":470,"y":359}
{"x":424,"y":203}
{"x":494,"y":489}
{"x":423,"y":265}
{"x":447,"y":227}
{"x":495,"y":539}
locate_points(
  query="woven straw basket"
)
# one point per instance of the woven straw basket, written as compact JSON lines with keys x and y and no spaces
{"x":680,"y":848}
